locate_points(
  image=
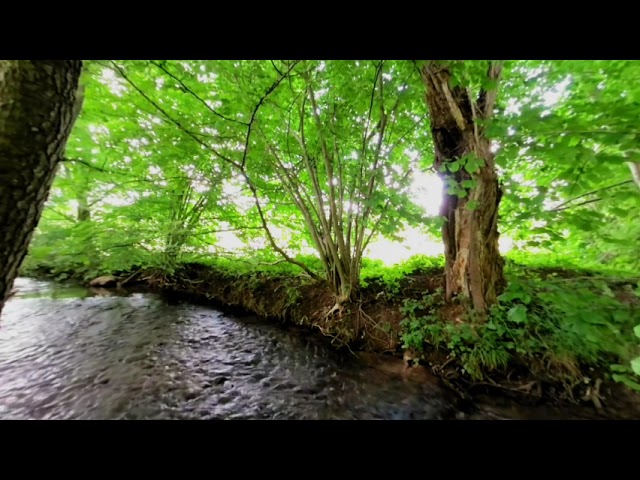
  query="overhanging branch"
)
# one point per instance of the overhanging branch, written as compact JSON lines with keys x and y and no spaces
{"x":195,"y":95}
{"x":560,"y":207}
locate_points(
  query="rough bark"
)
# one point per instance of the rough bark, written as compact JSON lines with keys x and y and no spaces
{"x":474,"y":267}
{"x":38,"y":106}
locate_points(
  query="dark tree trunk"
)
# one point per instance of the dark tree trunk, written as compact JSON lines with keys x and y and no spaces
{"x":474,"y":267}
{"x":38,"y":106}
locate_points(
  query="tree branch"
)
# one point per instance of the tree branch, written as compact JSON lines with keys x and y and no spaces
{"x":257,"y":107}
{"x":172,"y":120}
{"x":195,"y":95}
{"x":576,"y":205}
{"x":87,"y":164}
{"x":559,"y":207}
{"x":487,"y":98}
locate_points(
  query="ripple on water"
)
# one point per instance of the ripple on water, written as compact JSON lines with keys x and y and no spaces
{"x":137,"y":357}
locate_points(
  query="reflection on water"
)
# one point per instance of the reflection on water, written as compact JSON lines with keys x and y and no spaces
{"x":73,"y":353}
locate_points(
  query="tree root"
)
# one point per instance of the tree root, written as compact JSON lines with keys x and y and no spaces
{"x":333,"y":338}
{"x":336,"y":308}
{"x":593,"y":395}
{"x":438,"y":369}
{"x":130,"y":277}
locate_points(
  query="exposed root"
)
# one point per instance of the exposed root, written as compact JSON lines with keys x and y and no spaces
{"x":439,"y":369}
{"x":130,"y":278}
{"x":464,"y":395}
{"x":333,"y":338}
{"x":336,"y":308}
{"x":593,"y":394}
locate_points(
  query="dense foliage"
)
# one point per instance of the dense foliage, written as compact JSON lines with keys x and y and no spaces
{"x":300,"y":166}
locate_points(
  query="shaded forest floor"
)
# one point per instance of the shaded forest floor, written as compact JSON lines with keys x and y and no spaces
{"x":559,"y":338}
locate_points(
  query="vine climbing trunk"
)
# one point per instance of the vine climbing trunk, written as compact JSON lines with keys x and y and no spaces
{"x":38,"y":107}
{"x":474,"y":267}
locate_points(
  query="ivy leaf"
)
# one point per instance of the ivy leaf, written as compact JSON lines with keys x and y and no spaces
{"x":453,"y":166}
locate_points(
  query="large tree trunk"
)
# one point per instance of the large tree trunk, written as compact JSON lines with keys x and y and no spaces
{"x":474,"y":267}
{"x":37,"y":110}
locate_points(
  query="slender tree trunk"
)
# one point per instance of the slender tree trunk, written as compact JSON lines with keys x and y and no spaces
{"x":635,"y":171}
{"x":474,"y":267}
{"x":343,"y":286}
{"x":83,"y":213}
{"x":38,"y":106}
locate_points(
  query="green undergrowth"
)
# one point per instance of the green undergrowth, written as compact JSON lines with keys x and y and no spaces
{"x":548,"y":260}
{"x":561,"y":330}
{"x":391,"y":276}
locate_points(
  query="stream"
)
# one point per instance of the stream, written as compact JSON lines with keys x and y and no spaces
{"x":74,"y":353}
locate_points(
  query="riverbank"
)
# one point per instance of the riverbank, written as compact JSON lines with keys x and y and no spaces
{"x":537,"y":348}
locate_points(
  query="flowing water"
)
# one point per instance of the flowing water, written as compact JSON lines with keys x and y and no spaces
{"x":72,"y":353}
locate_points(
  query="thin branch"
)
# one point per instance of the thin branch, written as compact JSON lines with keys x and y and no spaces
{"x":576,"y":205}
{"x":290,"y":184}
{"x":66,"y":217}
{"x":487,"y":98}
{"x":87,"y":164}
{"x":195,"y":95}
{"x":274,"y":245}
{"x":365,"y":136}
{"x":257,"y":107}
{"x":174,"y":121}
{"x":328,"y":161}
{"x":559,"y":207}
{"x":408,"y":132}
{"x":236,"y":229}
{"x":276,"y":68}
{"x":374,"y":229}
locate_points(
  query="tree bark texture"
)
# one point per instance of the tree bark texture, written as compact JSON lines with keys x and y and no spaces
{"x":38,"y":105}
{"x":474,"y":267}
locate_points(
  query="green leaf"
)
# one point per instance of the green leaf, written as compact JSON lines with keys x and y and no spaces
{"x":619,"y":368}
{"x":517,"y":314}
{"x":489,"y":84}
{"x":453,"y":166}
{"x":472,"y":204}
{"x":635,"y":365}
{"x":624,"y":379}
